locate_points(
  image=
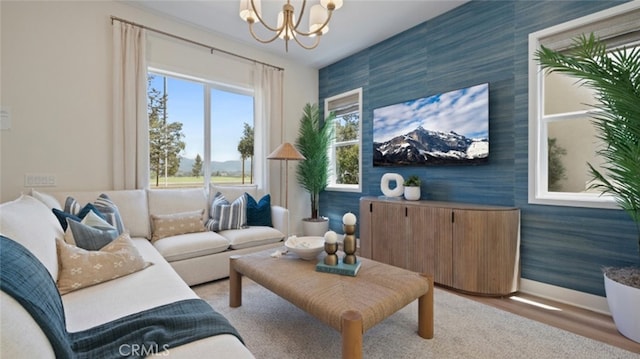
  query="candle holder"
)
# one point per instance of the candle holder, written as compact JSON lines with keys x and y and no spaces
{"x":332,"y":258}
{"x":349,"y":244}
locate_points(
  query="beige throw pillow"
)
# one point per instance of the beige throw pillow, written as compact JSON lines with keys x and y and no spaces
{"x":178,"y":223}
{"x":81,"y":268}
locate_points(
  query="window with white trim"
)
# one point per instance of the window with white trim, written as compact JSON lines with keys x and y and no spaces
{"x":562,"y":139}
{"x":345,"y":152}
{"x":200,"y":131}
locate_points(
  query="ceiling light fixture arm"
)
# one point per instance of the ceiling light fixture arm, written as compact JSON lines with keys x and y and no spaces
{"x":255,"y":36}
{"x":287,"y":26}
{"x":306,"y":47}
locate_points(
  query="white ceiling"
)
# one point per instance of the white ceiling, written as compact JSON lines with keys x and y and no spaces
{"x":356,"y":26}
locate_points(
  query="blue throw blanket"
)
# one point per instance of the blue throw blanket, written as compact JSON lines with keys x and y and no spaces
{"x":155,"y":330}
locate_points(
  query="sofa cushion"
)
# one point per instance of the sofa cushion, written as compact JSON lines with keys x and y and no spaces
{"x":21,"y":335}
{"x":92,"y":233}
{"x":81,"y":268}
{"x":259,"y":213}
{"x":185,"y":246}
{"x":252,"y":236}
{"x":225,"y":215}
{"x":232,"y":192}
{"x":162,"y":201}
{"x":165,"y":225}
{"x":47,"y":199}
{"x":32,"y":224}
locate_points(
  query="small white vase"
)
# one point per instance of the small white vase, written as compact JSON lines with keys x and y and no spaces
{"x":412,"y":193}
{"x":623,"y":302}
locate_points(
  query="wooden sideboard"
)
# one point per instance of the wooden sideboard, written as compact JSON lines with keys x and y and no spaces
{"x":472,"y":248}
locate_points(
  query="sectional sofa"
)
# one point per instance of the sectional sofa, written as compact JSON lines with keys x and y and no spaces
{"x":169,"y":259}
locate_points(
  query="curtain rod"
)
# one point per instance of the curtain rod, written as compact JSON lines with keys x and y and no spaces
{"x":211,"y":48}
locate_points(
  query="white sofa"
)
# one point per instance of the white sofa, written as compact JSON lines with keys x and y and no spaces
{"x":197,"y":257}
{"x":30,"y":222}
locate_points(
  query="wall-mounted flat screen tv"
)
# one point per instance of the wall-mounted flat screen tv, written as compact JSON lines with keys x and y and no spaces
{"x":450,"y":128}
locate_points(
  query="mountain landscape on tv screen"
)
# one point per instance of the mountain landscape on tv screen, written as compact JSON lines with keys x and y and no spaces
{"x":426,"y":147}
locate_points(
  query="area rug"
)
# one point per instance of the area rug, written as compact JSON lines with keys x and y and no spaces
{"x":274,"y":328}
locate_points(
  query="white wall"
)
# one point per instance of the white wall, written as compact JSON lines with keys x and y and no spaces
{"x":56,"y":82}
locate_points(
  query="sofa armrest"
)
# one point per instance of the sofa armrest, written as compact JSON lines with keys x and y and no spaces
{"x":280,"y":219}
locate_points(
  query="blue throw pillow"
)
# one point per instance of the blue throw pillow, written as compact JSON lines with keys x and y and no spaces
{"x":259,"y":213}
{"x":91,"y":238}
{"x":103,"y":206}
{"x":76,"y":216}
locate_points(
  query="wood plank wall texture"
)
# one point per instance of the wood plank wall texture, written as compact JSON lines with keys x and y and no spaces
{"x":476,"y":43}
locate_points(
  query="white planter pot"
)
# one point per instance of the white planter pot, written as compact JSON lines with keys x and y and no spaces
{"x":315,"y":228}
{"x":412,"y":193}
{"x":623,"y":303}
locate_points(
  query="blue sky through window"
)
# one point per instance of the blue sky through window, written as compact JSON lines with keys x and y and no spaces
{"x":229,"y":112}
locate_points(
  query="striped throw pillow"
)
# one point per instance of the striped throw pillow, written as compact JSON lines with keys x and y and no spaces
{"x":103,"y":206}
{"x":225,"y":215}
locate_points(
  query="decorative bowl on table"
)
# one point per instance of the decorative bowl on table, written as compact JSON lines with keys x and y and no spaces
{"x":307,"y":247}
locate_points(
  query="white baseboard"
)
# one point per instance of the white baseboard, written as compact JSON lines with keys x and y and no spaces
{"x":563,"y":295}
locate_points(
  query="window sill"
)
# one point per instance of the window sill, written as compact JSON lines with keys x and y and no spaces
{"x":568,"y":199}
{"x":344,"y":188}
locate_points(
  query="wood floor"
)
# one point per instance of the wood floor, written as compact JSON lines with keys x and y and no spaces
{"x":576,"y":320}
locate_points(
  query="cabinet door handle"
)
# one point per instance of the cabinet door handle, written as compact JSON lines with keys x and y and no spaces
{"x":406,"y":211}
{"x":453,"y":217}
{"x":371,"y":207}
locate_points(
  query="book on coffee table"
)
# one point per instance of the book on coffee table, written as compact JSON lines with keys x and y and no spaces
{"x":341,"y":268}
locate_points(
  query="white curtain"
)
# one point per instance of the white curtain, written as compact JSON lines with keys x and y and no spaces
{"x":130,"y":123}
{"x":268,"y":114}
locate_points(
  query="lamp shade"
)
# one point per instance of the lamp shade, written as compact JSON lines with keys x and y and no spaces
{"x":317,"y":17}
{"x":285,"y":151}
{"x":246,"y":10}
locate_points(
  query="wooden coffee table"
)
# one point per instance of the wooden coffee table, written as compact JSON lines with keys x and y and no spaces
{"x":351,"y":305}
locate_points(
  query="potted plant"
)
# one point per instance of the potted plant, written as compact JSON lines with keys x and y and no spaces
{"x":412,"y":188}
{"x":615,"y":77}
{"x":314,"y":139}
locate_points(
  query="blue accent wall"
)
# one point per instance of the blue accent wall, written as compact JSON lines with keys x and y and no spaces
{"x":483,"y":41}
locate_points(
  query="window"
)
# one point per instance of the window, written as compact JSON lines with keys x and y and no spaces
{"x":346,"y":148}
{"x":562,"y":139}
{"x":199,"y":132}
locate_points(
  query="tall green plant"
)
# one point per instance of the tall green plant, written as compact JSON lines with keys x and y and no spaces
{"x":314,"y":139}
{"x":615,"y":77}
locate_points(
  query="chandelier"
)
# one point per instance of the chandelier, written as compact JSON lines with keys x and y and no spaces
{"x":287,"y":27}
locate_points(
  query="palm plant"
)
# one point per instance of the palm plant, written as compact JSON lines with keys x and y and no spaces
{"x":314,"y":139}
{"x":615,"y":77}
